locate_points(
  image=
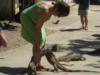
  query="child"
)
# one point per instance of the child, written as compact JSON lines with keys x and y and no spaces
{"x":83,"y":12}
{"x":32,"y":20}
{"x":3,"y":40}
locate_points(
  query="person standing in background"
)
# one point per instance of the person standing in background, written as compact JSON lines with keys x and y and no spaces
{"x":83,"y":12}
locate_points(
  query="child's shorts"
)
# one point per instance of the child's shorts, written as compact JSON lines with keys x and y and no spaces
{"x":83,"y":12}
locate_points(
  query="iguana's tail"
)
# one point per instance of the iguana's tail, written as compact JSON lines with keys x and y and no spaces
{"x":61,"y":67}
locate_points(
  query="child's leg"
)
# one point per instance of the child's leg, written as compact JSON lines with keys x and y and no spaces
{"x":37,"y":55}
{"x":37,"y":52}
{"x":86,"y":22}
{"x":43,"y":40}
{"x":82,"y":21}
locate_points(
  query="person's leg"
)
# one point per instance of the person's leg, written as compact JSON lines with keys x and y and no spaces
{"x":36,"y":55}
{"x":82,"y":21}
{"x":86,"y":22}
{"x":42,"y":40}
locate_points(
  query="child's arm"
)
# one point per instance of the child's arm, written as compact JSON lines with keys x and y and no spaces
{"x":39,"y":23}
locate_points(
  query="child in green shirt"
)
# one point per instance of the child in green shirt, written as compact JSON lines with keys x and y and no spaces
{"x":33,"y":30}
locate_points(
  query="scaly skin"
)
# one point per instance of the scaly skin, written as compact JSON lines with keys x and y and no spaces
{"x":54,"y":62}
{"x":71,"y":57}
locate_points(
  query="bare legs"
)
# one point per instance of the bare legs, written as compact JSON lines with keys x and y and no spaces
{"x":84,"y":22}
{"x":36,"y":58}
{"x":3,"y":40}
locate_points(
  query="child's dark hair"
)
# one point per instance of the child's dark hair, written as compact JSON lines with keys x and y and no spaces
{"x":62,"y":8}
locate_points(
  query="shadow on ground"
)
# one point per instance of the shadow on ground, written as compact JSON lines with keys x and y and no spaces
{"x":11,"y":71}
{"x":7,"y":26}
{"x":97,"y":36}
{"x":90,"y":47}
{"x":70,"y":30}
{"x":94,"y":65}
{"x":97,"y":26}
{"x":81,"y":44}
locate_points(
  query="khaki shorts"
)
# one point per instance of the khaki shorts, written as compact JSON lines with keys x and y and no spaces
{"x":82,"y":12}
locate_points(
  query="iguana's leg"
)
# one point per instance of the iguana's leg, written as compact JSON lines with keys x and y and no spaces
{"x":51,"y":59}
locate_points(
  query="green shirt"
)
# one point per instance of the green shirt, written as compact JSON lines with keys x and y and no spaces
{"x":29,"y":19}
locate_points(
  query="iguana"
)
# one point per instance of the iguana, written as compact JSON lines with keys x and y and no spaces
{"x":54,"y":62}
{"x":71,"y":57}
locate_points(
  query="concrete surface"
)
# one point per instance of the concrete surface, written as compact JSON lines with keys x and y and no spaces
{"x":67,"y":33}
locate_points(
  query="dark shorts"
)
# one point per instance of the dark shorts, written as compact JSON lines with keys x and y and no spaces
{"x":83,"y":12}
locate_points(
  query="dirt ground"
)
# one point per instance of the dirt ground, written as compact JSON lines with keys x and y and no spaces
{"x":14,"y":38}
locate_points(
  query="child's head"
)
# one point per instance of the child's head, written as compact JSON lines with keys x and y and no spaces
{"x":62,"y":9}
